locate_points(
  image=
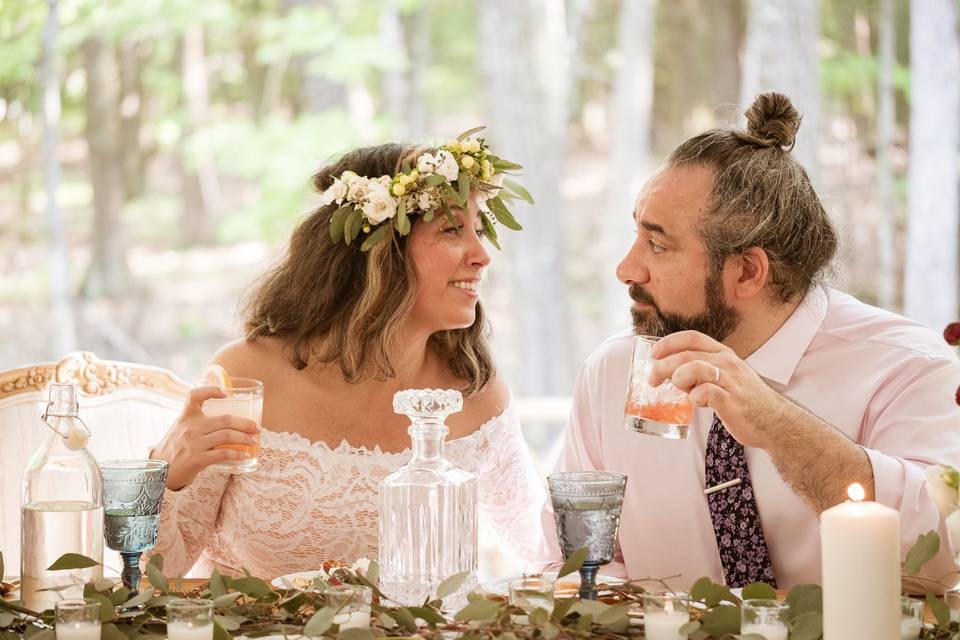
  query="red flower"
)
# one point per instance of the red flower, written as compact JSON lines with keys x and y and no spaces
{"x":952,"y":333}
{"x":958,"y":395}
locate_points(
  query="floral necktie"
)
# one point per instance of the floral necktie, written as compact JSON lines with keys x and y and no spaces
{"x":736,"y":521}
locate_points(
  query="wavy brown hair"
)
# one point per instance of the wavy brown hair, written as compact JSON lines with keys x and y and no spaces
{"x":762,"y":197}
{"x":336,"y":304}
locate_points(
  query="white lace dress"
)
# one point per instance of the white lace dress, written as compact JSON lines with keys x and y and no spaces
{"x":308,"y":503}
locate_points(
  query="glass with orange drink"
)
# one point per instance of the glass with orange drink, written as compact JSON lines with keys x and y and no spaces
{"x":244,"y":398}
{"x":664,"y":410}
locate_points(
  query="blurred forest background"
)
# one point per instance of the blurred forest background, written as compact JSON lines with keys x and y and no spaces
{"x":155,"y":154}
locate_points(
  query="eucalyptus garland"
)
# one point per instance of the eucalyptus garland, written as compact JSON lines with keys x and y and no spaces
{"x":251,"y":607}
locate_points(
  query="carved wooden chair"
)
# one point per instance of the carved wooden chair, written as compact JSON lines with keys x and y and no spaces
{"x":127,"y":407}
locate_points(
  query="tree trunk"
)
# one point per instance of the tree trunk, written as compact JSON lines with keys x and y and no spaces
{"x":930,"y":288}
{"x":62,"y":328}
{"x":525,"y":65}
{"x":781,"y":55}
{"x":132,"y":97}
{"x":630,"y":146}
{"x":201,"y":185}
{"x":395,"y":81}
{"x":108,"y":274}
{"x":419,"y":44}
{"x":886,"y":278}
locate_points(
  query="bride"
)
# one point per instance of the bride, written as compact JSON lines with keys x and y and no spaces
{"x":378,"y":292}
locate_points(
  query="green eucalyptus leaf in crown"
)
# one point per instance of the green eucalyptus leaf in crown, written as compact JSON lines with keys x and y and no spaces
{"x":374,"y":209}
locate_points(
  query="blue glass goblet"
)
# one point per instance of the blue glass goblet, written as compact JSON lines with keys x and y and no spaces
{"x":132,"y":492}
{"x":586,"y":507}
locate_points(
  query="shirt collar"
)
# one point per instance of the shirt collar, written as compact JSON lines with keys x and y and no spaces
{"x":778,"y":357}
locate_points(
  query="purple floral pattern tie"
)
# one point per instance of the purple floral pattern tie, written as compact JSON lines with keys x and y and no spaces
{"x":736,"y":521}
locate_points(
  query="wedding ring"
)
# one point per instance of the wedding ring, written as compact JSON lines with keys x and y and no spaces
{"x":716,"y":378}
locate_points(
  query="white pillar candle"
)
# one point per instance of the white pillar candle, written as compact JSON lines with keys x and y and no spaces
{"x":664,"y":625}
{"x":860,"y":565}
{"x":910,"y":629}
{"x":78,"y":631}
{"x":188,"y":631}
{"x":767,"y":630}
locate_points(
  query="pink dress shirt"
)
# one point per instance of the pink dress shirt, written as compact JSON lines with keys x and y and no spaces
{"x":886,"y":382}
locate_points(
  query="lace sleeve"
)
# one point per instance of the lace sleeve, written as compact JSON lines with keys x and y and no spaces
{"x":511,"y":493}
{"x":187,"y":518}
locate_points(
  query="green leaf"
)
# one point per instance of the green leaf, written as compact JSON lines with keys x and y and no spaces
{"x":139,"y":599}
{"x":722,"y":619}
{"x":373,"y":573}
{"x":156,"y":560}
{"x":940,"y":609}
{"x":573,"y":563}
{"x":428,"y":615}
{"x":584,"y":623}
{"x":119,"y":596}
{"x":319,"y":622}
{"x":106,"y":607}
{"x":405,"y":618}
{"x":924,"y":549}
{"x":759,"y":591}
{"x":452,"y":195}
{"x":805,"y":598}
{"x":111,"y":632}
{"x":229,"y":623}
{"x":433,"y":180}
{"x":479,"y":610}
{"x":1,"y":565}
{"x":337,"y":220}
{"x":405,"y":166}
{"x":463,"y":185}
{"x":503,"y":214}
{"x":103,"y":584}
{"x":592,"y":608}
{"x":808,"y":626}
{"x":469,"y":132}
{"x":613,"y":615}
{"x":6,"y":619}
{"x":72,"y":561}
{"x":380,"y":233}
{"x":352,"y":226}
{"x":356,"y":634}
{"x":226,"y":600}
{"x":219,"y":633}
{"x":518,"y":189}
{"x":689,"y":628}
{"x":217,"y":586}
{"x":561,"y":606}
{"x":451,"y":584}
{"x":402,"y":222}
{"x":253,"y":587}
{"x":157,"y":579}
{"x":499,"y":164}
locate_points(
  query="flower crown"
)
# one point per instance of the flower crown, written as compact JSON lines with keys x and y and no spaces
{"x":378,"y":207}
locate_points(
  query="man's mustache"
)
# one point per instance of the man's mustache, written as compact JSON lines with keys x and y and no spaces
{"x":639,"y":295}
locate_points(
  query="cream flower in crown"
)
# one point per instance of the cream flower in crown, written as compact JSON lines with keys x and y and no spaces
{"x":378,"y":207}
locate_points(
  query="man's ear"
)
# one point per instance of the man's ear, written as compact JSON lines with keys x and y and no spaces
{"x":754,"y":273}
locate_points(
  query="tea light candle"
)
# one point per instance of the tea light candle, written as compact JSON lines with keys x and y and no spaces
{"x":78,"y":631}
{"x":189,"y":631}
{"x":768,"y":630}
{"x":910,"y":629}
{"x":860,"y":565}
{"x":665,"y":625}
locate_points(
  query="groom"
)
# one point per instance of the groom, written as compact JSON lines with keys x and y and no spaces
{"x":801,"y":390}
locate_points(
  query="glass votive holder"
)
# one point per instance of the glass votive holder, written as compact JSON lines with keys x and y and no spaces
{"x":664,"y":612}
{"x":77,"y":619}
{"x":352,"y":604}
{"x":768,"y":618}
{"x":952,"y":598}
{"x":190,"y":619}
{"x":911,"y":618}
{"x":532,"y":592}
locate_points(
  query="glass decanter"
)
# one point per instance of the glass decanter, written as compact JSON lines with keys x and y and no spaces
{"x":428,"y":509}
{"x":61,"y":506}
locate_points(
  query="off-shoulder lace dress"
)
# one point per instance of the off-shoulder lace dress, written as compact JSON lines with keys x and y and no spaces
{"x":308,"y":503}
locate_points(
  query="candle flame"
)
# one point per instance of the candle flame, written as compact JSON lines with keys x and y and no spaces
{"x":668,"y":605}
{"x":856,"y":492}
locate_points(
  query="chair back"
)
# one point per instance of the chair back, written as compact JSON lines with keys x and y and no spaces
{"x":127,"y":407}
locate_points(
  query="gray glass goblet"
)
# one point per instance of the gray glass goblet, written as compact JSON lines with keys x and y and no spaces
{"x":132,"y":492}
{"x":586,"y":506}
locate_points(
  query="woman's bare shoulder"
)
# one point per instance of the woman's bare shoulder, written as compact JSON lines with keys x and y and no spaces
{"x":251,"y":358}
{"x":486,"y":404}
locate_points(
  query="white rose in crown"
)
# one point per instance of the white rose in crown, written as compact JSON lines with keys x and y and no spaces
{"x":336,"y":193}
{"x":358,"y":189}
{"x":379,"y":204}
{"x":943,"y":485}
{"x":448,"y":167}
{"x":427,"y":163}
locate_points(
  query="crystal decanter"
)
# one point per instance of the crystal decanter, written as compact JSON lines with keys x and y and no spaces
{"x":428,"y":509}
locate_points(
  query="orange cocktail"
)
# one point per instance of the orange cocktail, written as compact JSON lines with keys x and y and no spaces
{"x":245,"y":400}
{"x":663,"y":410}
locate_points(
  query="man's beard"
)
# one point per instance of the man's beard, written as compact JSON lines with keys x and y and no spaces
{"x":717,"y":321}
